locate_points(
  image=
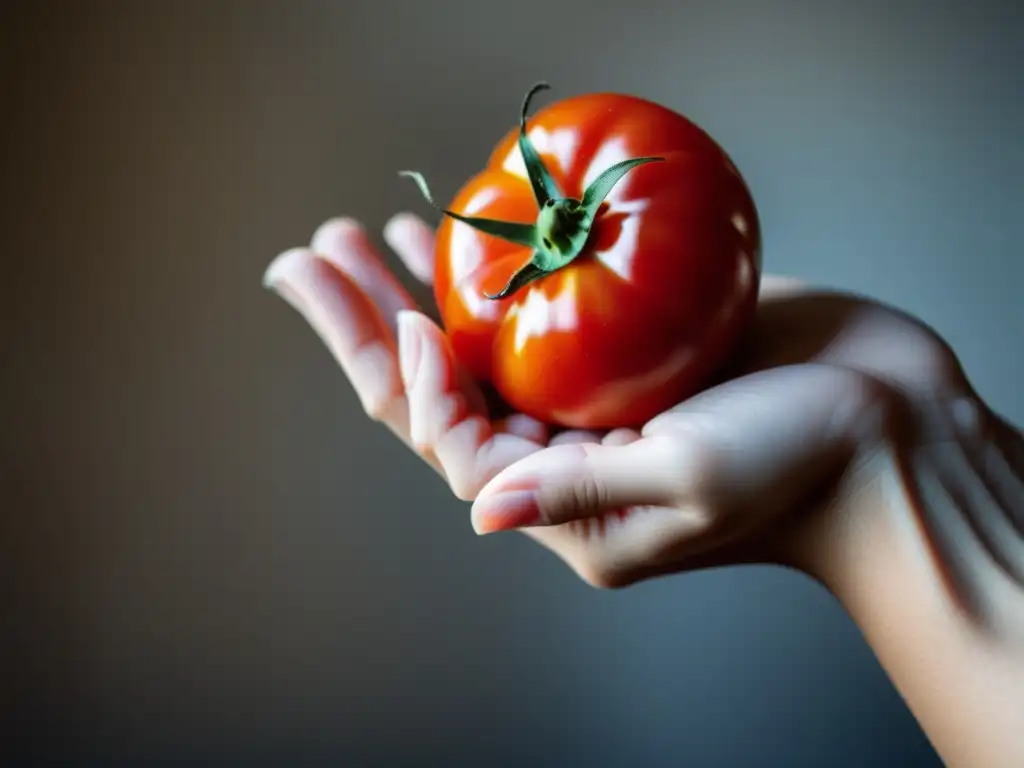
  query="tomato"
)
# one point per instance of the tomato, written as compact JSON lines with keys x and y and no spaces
{"x":598,"y":305}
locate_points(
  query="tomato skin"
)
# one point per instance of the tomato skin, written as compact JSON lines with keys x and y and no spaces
{"x":654,"y":305}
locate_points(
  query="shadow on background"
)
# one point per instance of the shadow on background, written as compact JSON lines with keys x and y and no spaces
{"x":215,"y":556}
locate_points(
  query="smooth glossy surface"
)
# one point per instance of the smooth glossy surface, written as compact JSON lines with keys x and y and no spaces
{"x":651,"y":308}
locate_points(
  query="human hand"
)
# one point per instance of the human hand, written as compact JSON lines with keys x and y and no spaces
{"x":763,"y":467}
{"x":396,"y":357}
{"x":736,"y":474}
{"x":845,"y":441}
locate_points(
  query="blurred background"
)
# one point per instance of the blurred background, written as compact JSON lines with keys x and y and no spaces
{"x":213,"y":557}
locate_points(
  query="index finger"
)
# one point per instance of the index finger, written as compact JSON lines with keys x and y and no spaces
{"x":345,"y":244}
{"x":352,"y":328}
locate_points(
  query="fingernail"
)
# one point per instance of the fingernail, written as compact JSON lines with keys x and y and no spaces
{"x":275,"y":272}
{"x":396,"y":231}
{"x":506,"y":512}
{"x":280,"y":278}
{"x":410,"y":346}
{"x":407,"y":236}
{"x":333,"y":235}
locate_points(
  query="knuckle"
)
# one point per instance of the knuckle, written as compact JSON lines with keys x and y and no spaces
{"x":605,"y":577}
{"x":914,"y":356}
{"x":950,"y":372}
{"x":462,"y":490}
{"x":587,"y":492}
{"x":694,"y":460}
{"x":377,"y":409}
{"x":461,"y":449}
{"x":461,"y":480}
{"x":869,"y":409}
{"x":374,"y":375}
{"x":932,"y":365}
{"x":591,"y":492}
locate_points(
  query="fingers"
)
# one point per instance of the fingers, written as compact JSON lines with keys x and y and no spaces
{"x":749,"y":445}
{"x":621,"y":436}
{"x":345,"y":244}
{"x":575,"y":437}
{"x":413,"y":241}
{"x":442,"y":415}
{"x":350,"y":325}
{"x":523,"y":426}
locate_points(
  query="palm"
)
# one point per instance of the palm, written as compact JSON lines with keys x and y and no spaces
{"x":406,"y":377}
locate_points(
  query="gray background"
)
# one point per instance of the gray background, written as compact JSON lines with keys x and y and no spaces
{"x":213,"y":556}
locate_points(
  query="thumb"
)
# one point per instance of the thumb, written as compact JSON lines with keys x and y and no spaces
{"x":569,"y":482}
{"x":752,"y":444}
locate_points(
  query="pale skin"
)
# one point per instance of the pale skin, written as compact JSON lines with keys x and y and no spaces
{"x":847,"y":444}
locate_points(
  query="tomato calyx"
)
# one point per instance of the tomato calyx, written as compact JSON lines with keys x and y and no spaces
{"x":563,"y":223}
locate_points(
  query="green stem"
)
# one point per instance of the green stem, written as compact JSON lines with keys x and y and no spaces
{"x":524,"y":276}
{"x":544,"y":187}
{"x":563,"y":223}
{"x":512,"y":231}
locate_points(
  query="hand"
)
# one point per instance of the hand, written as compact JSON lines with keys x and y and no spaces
{"x":736,"y":474}
{"x":341,"y":286}
{"x":845,"y":442}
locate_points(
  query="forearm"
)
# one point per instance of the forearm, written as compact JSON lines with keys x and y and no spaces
{"x":930,"y":565}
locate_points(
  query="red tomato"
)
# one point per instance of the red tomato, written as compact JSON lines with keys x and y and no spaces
{"x":653,"y":303}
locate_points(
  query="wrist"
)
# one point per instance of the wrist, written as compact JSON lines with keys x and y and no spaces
{"x":934,"y":508}
{"x":826,"y":541}
{"x":924,"y":548}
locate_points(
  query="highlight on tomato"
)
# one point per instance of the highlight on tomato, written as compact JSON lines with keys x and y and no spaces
{"x":603,"y":265}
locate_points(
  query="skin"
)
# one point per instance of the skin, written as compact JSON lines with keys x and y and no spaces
{"x":845,"y":442}
{"x":650,"y":245}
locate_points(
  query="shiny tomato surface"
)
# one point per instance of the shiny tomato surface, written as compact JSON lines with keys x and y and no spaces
{"x":654,"y":304}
